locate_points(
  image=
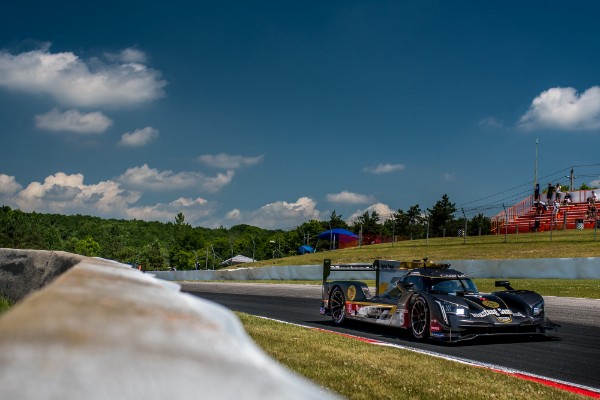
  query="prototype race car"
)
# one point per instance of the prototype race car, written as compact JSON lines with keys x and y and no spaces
{"x":432,"y":301}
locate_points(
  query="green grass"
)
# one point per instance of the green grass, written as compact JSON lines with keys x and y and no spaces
{"x":5,"y":304}
{"x":358,"y":370}
{"x":562,"y":244}
{"x":582,"y":288}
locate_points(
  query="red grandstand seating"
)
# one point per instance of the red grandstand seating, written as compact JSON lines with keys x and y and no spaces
{"x":572,"y":216}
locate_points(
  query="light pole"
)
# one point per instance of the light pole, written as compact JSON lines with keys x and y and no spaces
{"x":393,"y":229}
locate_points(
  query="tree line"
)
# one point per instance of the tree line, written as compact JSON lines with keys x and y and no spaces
{"x":158,"y":245}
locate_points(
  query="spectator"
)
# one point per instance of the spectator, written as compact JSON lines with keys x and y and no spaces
{"x":558,"y":192}
{"x":549,"y":193}
{"x":536,"y":192}
{"x":591,"y":211}
{"x":567,"y":199}
{"x":539,"y":208}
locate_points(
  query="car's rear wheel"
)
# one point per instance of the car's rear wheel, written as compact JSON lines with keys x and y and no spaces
{"x":419,"y":319}
{"x":337,"y":305}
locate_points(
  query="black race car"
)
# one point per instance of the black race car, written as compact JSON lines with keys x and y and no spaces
{"x":432,"y":301}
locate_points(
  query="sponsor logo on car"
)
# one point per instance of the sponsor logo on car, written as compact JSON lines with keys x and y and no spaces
{"x":490,"y":304}
{"x":351,"y":293}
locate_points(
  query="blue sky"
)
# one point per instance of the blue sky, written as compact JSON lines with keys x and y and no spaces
{"x":272,"y":113}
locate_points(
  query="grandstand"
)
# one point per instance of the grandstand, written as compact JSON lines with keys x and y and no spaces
{"x":525,"y":217}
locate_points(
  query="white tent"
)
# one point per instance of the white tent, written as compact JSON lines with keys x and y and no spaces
{"x":239,"y":259}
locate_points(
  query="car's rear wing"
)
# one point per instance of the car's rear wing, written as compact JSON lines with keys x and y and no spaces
{"x":379,"y":267}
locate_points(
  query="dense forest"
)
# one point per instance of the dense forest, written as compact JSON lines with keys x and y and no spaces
{"x":158,"y":245}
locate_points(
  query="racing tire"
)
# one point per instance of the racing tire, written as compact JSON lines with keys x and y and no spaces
{"x":419,"y":319}
{"x":337,"y":305}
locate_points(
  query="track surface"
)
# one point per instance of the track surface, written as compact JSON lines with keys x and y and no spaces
{"x":574,"y":357}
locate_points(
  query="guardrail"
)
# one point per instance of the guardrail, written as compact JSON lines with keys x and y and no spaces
{"x":102,"y":330}
{"x":560,"y":268}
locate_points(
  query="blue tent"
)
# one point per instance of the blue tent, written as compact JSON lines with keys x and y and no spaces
{"x":305,"y":249}
{"x":336,"y":233}
{"x":339,"y":235}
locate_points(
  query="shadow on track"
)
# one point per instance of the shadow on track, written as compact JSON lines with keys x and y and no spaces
{"x":397,"y":335}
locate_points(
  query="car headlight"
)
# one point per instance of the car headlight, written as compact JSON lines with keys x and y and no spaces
{"x":452,"y":308}
{"x":538,"y":308}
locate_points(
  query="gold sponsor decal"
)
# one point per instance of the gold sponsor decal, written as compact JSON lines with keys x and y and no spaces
{"x":351,"y":293}
{"x":490,"y":304}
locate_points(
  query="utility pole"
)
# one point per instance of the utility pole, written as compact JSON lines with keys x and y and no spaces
{"x":393,"y":229}
{"x":536,"y":164}
{"x":465,"y":231}
{"x":572,"y":178}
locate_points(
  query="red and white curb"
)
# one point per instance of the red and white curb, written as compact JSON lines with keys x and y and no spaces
{"x":555,"y":383}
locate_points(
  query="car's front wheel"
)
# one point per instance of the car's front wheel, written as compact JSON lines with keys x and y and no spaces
{"x":337,"y":305}
{"x":419,"y":319}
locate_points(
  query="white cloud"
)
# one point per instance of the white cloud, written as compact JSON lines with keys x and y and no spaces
{"x":346,"y":197}
{"x":491,"y":122}
{"x":280,"y":214}
{"x":195,"y":210}
{"x":383,"y":210}
{"x":128,"y":55}
{"x":8,"y":185}
{"x":69,"y":194}
{"x":565,"y":109}
{"x":72,"y":81}
{"x":147,"y":178}
{"x":384,"y":168}
{"x":73,"y":121}
{"x":228,"y":161}
{"x":139,"y":137}
{"x":233,"y":214}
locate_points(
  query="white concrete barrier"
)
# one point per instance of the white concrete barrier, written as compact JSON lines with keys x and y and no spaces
{"x":561,"y":268}
{"x":103,"y":330}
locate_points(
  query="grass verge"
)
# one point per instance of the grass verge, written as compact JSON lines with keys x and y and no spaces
{"x":5,"y":304}
{"x":358,"y":370}
{"x":558,"y":244}
{"x":582,"y":288}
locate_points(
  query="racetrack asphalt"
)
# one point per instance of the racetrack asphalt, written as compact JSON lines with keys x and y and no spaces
{"x":574,"y":357}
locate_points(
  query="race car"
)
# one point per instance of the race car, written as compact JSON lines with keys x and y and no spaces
{"x":432,"y":301}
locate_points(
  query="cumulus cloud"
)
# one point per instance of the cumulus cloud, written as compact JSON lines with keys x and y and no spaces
{"x":146,"y":178}
{"x":228,"y":161}
{"x":565,"y":109}
{"x":8,"y":185}
{"x":69,"y":194}
{"x":195,"y":210}
{"x":346,"y":197}
{"x":73,"y":121}
{"x":383,"y":210}
{"x":139,"y":137}
{"x":384,"y":168}
{"x":280,"y":214}
{"x":233,"y":215}
{"x":73,"y":81}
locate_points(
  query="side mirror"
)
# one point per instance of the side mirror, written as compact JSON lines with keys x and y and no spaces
{"x":408,"y":285}
{"x":504,"y":284}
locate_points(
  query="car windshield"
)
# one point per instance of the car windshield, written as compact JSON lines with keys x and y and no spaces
{"x":464,"y":285}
